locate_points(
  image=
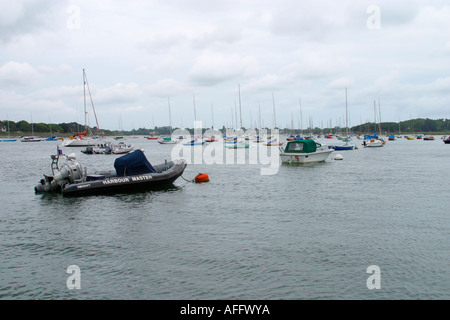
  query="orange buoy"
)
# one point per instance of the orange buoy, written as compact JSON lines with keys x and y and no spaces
{"x":202,"y":177}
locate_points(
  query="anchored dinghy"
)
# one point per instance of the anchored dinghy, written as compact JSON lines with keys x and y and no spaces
{"x":132,"y":171}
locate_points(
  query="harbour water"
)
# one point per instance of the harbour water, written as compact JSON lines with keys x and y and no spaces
{"x":307,"y":232}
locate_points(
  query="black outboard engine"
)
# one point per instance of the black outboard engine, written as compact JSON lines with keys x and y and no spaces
{"x":67,"y":173}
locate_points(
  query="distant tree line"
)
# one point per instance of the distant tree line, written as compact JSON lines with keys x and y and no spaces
{"x":409,"y":126}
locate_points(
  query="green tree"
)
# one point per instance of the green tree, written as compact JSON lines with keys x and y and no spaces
{"x":23,"y":126}
{"x":41,"y":127}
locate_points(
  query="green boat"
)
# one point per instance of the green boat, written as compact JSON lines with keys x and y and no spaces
{"x":304,"y":151}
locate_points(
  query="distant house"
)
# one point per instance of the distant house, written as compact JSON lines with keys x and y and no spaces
{"x":3,"y":129}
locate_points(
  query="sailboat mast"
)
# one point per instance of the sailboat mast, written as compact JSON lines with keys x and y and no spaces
{"x":240,"y":110}
{"x":274,"y":115}
{"x":379,"y":118}
{"x":259,"y":110}
{"x":301,"y":116}
{"x":346,"y":113}
{"x":235,"y":115}
{"x":92,"y":103}
{"x":212,"y":117}
{"x":32,"y":129}
{"x":374,"y":115}
{"x":84,"y":95}
{"x":170,"y":115}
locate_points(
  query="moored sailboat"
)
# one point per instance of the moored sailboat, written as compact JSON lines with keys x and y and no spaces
{"x":81,"y":139}
{"x":9,"y":135}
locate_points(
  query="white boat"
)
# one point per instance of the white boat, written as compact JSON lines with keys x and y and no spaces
{"x":304,"y":151}
{"x":373,"y":143}
{"x":167,"y":140}
{"x":78,"y":141}
{"x":31,"y":139}
{"x":273,"y":142}
{"x":122,"y":148}
{"x":194,"y":142}
{"x":101,"y":148}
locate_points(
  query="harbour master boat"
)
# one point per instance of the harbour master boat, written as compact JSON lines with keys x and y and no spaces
{"x":132,"y":172}
{"x":304,"y":151}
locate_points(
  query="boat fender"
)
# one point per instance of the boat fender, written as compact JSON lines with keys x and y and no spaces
{"x":338,"y":157}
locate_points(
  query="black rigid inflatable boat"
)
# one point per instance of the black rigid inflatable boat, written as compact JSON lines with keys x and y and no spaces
{"x":132,"y":171}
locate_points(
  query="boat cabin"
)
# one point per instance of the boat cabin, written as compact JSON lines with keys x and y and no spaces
{"x":302,"y":146}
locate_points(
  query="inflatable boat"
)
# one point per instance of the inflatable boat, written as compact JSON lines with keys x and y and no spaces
{"x":132,"y":172}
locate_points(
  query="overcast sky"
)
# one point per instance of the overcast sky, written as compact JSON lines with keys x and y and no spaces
{"x":290,"y":53}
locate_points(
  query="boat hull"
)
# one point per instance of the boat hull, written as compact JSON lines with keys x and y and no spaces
{"x":297,"y":158}
{"x":237,"y":146}
{"x":81,"y":143}
{"x":31,"y":139}
{"x":99,"y":184}
{"x":374,"y":145}
{"x":346,"y":146}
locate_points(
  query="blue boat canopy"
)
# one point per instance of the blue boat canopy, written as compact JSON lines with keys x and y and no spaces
{"x":132,"y":164}
{"x":369,"y":136}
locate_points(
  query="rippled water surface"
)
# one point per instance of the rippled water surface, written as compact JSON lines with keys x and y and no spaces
{"x":307,"y":232}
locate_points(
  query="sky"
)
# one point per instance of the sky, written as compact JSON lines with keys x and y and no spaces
{"x":287,"y":63}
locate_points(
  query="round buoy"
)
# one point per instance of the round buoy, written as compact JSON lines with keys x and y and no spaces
{"x":201,"y":177}
{"x":338,"y":157}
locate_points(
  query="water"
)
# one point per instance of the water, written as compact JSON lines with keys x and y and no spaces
{"x":308,"y":232}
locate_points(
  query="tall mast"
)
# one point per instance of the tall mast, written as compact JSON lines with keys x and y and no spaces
{"x":32,"y":129}
{"x":92,"y":103}
{"x":84,"y":94}
{"x":235,"y":115}
{"x":259,"y":109}
{"x":375,"y":115}
{"x":170,"y":115}
{"x":240,"y":110}
{"x":301,"y":116}
{"x":274,"y":115}
{"x":379,"y":118}
{"x":346,"y":113}
{"x":212,"y":117}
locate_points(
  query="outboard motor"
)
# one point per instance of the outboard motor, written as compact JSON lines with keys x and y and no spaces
{"x":67,"y":173}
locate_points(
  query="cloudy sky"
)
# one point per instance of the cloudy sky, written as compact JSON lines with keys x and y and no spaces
{"x":291,"y":54}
